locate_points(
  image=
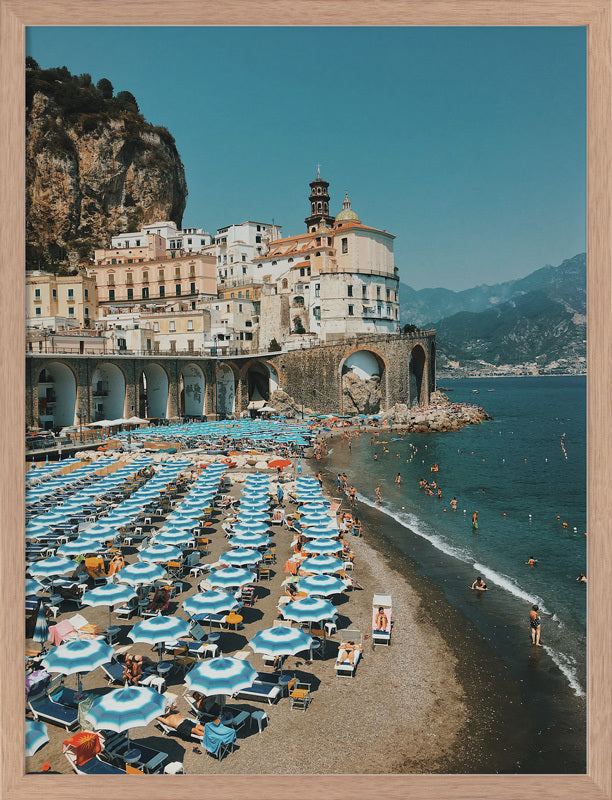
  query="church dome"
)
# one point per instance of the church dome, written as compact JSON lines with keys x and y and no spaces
{"x":347,"y":214}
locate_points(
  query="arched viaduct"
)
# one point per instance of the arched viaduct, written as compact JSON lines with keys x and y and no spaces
{"x":63,"y":389}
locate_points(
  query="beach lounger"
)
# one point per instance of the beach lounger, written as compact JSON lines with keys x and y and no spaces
{"x":150,"y":760}
{"x":346,"y":668}
{"x":113,"y":671}
{"x":269,"y":692}
{"x":81,"y":751}
{"x":381,"y":622}
{"x":44,"y":708}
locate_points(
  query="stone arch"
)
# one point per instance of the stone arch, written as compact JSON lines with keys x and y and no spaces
{"x":261,"y":378}
{"x":417,"y":375}
{"x":108,"y":385}
{"x":192,"y":391}
{"x":363,"y":375}
{"x":56,"y":393}
{"x":225,"y":381}
{"x":153,"y":391}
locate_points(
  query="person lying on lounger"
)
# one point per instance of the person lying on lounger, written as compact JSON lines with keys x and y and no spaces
{"x":184,"y":727}
{"x":348,"y":651}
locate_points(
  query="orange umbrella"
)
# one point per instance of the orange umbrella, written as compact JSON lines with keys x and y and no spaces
{"x":279,"y":462}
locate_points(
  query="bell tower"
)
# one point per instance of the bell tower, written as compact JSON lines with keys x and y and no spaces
{"x":319,"y":204}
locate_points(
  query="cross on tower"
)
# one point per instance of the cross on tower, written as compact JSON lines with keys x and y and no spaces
{"x":318,"y":170}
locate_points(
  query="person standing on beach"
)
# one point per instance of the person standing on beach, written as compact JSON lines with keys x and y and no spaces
{"x":352,"y":494}
{"x":535,"y":624}
{"x":338,"y":482}
{"x":320,"y":478}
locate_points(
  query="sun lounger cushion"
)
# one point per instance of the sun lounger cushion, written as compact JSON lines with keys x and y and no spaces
{"x":261,"y":691}
{"x":46,"y":709}
{"x":346,"y":666}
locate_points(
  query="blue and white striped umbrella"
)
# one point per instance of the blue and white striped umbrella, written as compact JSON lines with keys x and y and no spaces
{"x":322,"y":546}
{"x":230,"y":576}
{"x":320,"y":584}
{"x":174,"y":537}
{"x":314,"y":508}
{"x":160,"y":553}
{"x":159,"y":629}
{"x":80,"y":655}
{"x":79,"y":547}
{"x":246,"y":517}
{"x":315,"y":519}
{"x":41,"y":629}
{"x":35,"y":736}
{"x":122,"y":709}
{"x":32,"y":586}
{"x":51,"y":567}
{"x":211,"y":602}
{"x":240,"y":556}
{"x":321,"y":565}
{"x":109,"y":594}
{"x":141,"y":572}
{"x":320,"y":531}
{"x":280,"y":641}
{"x":249,"y":540}
{"x":309,"y":609}
{"x":220,"y":676}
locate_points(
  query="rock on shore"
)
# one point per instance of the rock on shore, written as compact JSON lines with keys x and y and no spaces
{"x":441,"y":415}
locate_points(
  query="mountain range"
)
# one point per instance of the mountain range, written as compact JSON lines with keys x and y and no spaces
{"x":532,"y":325}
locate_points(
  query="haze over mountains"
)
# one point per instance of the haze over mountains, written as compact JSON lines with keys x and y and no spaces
{"x":532,"y":325}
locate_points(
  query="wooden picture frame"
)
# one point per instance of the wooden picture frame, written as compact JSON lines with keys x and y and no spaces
{"x":596,"y":16}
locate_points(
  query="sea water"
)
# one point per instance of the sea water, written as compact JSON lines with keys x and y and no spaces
{"x":524,"y":471}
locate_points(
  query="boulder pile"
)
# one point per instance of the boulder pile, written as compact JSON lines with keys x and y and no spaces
{"x":441,"y":415}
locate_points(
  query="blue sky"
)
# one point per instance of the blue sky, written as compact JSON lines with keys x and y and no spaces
{"x":468,"y":144}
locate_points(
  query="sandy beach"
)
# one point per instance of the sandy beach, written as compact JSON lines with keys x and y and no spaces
{"x":409,"y":708}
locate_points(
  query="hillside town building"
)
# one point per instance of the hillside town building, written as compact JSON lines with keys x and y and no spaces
{"x":247,"y":289}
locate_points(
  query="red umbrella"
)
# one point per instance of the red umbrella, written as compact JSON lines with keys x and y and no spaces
{"x":279,"y":462}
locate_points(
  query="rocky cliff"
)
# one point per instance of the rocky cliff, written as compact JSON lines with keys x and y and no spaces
{"x":94,"y":167}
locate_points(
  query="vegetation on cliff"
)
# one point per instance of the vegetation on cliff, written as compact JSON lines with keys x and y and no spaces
{"x":94,"y":167}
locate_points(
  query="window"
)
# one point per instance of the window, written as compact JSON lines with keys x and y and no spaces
{"x":378,"y":292}
{"x":37,"y":294}
{"x":130,"y":294}
{"x":316,"y":312}
{"x":156,"y":326}
{"x":388,"y":294}
{"x":129,"y":278}
{"x":240,"y":295}
{"x":350,"y":311}
{"x":190,"y":344}
{"x":86,"y":294}
{"x":137,"y":242}
{"x":244,"y":270}
{"x":145,"y":276}
{"x":38,"y":311}
{"x":258,"y":239}
{"x":285,"y":283}
{"x":173,"y":345}
{"x":160,"y":275}
{"x":243,"y":256}
{"x":145,"y":293}
{"x":71,"y":311}
{"x":189,"y":324}
{"x":345,"y":245}
{"x":231,"y":259}
{"x":228,"y":308}
{"x":192,"y":270}
{"x":247,"y":293}
{"x":177,"y":272}
{"x":188,"y":241}
{"x":364,"y":291}
{"x":192,"y":287}
{"x":302,"y":272}
{"x":111,"y":294}
{"x":202,"y":241}
{"x":86,"y":312}
{"x":259,"y":227}
{"x":350,"y":290}
{"x":111,"y":280}
{"x":113,"y":260}
{"x":240,"y":308}
{"x":177,"y":289}
{"x":130,"y":261}
{"x":172,"y":325}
